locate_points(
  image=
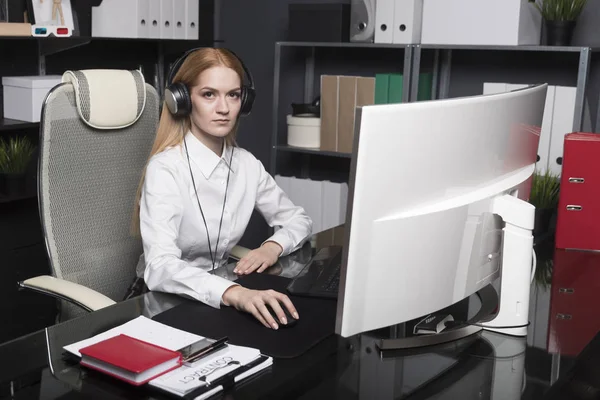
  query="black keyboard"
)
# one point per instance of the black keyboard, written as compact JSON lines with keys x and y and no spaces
{"x":321,"y":276}
{"x":329,"y":281}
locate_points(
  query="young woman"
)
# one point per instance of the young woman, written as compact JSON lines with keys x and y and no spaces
{"x":199,"y":191}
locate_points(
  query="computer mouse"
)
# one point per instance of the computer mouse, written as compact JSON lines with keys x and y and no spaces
{"x":291,"y":321}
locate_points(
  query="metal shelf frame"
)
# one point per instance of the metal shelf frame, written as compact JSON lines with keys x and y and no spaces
{"x":442,"y":69}
{"x":442,"y":73}
{"x":309,"y":80}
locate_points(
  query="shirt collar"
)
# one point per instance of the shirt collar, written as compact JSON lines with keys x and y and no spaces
{"x":204,"y":157}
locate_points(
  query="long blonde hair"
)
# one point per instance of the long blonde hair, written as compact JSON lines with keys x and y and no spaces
{"x":171,"y":130}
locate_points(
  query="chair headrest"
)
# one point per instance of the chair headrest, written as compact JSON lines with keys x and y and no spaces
{"x":108,"y":98}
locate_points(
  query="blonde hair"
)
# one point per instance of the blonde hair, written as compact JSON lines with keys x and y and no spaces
{"x":171,"y":130}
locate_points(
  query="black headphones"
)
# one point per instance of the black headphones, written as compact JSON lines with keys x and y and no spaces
{"x":177,"y":95}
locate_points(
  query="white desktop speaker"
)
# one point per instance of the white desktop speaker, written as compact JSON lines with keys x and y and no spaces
{"x":518,"y":266}
{"x":362,"y":20}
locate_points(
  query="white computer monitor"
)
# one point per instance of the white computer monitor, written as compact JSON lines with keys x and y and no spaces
{"x":437,"y":208}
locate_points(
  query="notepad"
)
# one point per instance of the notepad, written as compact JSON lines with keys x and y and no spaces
{"x":129,"y":359}
{"x":144,"y":329}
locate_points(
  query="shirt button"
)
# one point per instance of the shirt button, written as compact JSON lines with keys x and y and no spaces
{"x":222,"y":182}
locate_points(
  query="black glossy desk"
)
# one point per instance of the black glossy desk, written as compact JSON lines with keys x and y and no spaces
{"x":484,"y":366}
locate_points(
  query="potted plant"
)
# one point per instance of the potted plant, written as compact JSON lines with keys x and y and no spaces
{"x":560,"y":17}
{"x":15,"y":155}
{"x":545,"y":190}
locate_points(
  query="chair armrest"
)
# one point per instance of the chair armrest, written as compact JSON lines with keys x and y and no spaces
{"x":238,"y":252}
{"x":86,"y":298}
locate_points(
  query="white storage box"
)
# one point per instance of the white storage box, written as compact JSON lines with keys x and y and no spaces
{"x":24,"y":95}
{"x":481,"y":22}
{"x":304,"y":131}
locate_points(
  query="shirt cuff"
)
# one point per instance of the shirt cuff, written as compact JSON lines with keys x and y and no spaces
{"x":282,"y":239}
{"x":218,"y":286}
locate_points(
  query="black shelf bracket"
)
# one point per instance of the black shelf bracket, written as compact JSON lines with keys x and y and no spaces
{"x":48,"y":46}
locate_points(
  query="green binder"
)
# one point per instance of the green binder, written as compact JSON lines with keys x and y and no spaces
{"x":425,"y":84}
{"x":395,"y":88}
{"x":381,"y":88}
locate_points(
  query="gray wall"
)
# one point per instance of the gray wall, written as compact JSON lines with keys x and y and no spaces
{"x":586,"y":32}
{"x":251,"y":28}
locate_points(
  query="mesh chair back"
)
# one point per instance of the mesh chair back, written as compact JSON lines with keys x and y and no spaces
{"x":87,"y":185}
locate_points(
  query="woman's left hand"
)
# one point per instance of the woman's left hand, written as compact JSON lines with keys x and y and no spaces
{"x":259,"y":259}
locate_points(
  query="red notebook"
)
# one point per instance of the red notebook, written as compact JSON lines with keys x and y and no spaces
{"x":129,"y":359}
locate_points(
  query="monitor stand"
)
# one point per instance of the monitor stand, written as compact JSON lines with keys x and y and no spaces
{"x":489,"y":302}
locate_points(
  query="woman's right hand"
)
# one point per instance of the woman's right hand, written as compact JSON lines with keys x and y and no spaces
{"x":255,"y":302}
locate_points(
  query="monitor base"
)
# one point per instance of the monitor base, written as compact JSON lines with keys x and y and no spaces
{"x":427,"y":340}
{"x":489,"y":302}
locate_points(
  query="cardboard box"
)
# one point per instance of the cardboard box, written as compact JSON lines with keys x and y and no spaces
{"x":15,"y":29}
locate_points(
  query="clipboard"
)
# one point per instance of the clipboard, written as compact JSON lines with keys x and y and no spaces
{"x":226,"y":381}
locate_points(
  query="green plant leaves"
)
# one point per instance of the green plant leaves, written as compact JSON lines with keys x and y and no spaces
{"x":559,"y":10}
{"x":545,"y":189}
{"x":15,"y":155}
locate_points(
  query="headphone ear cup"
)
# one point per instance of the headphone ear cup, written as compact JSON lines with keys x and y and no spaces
{"x":248,"y":95}
{"x":178,"y":99}
{"x":186,"y":101}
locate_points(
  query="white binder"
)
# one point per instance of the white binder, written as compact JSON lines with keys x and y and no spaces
{"x":120,"y":18}
{"x":192,"y":13}
{"x":562,"y":123}
{"x":544,"y":146}
{"x":143,"y":16}
{"x":166,"y":19}
{"x":384,"y":21}
{"x":408,"y":16}
{"x":334,"y":200}
{"x":330,"y":204}
{"x":546,"y":131}
{"x":179,"y":18}
{"x":153,"y":19}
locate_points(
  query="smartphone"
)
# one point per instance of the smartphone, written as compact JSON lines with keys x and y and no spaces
{"x":199,"y":349}
{"x":195,"y":348}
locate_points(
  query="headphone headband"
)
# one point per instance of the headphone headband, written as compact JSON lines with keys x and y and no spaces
{"x":181,"y":59}
{"x":177,"y":95}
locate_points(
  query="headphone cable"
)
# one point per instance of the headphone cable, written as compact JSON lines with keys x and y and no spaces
{"x":213,"y":258}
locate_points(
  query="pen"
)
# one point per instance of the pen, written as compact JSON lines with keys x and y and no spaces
{"x":216,"y":345}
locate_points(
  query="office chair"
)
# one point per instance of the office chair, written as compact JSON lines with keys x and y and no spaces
{"x":97,"y":130}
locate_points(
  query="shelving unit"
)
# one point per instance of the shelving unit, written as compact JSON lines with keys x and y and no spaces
{"x":7,"y":124}
{"x":533,"y":63}
{"x":6,"y":199}
{"x":442,"y":67}
{"x":313,"y":151}
{"x":22,"y":245}
{"x":52,"y":45}
{"x":52,"y":55}
{"x":396,"y":57}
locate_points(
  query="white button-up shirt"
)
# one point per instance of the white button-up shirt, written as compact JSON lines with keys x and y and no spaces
{"x":176,"y":258}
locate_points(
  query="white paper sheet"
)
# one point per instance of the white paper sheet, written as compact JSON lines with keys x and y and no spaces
{"x":145,"y":329}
